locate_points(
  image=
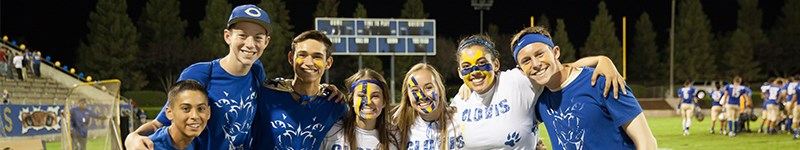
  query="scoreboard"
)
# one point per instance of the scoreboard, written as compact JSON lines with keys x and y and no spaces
{"x":371,"y":36}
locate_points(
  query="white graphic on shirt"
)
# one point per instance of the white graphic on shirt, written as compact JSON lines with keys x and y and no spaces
{"x":304,"y":134}
{"x":567,"y":126}
{"x":243,"y":107}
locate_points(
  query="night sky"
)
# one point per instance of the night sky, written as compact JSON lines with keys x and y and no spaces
{"x":56,"y":27}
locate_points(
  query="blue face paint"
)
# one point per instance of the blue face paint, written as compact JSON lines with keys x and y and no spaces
{"x":484,"y":67}
{"x":421,"y":97}
{"x":361,"y":102}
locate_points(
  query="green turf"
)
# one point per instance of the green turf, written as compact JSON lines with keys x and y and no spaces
{"x":669,"y":135}
{"x":93,"y":143}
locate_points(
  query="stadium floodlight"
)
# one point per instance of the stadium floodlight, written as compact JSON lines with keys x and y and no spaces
{"x":482,"y":5}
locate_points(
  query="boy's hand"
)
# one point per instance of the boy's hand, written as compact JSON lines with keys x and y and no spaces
{"x":336,"y":94}
{"x":138,"y":142}
{"x":605,"y":67}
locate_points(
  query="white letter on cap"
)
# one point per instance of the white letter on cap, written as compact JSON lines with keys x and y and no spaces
{"x":253,"y":12}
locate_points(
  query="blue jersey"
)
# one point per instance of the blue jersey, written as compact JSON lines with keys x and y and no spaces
{"x":791,"y":90}
{"x":80,"y":119}
{"x":162,"y":140}
{"x":687,"y":94}
{"x":231,"y":99}
{"x":716,"y":96}
{"x":773,"y":93}
{"x":735,"y":92}
{"x":284,"y":123}
{"x":584,"y":119}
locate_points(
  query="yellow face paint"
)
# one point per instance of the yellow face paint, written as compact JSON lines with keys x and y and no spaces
{"x":472,"y":60}
{"x":298,"y":60}
{"x":365,"y":100}
{"x":319,"y":63}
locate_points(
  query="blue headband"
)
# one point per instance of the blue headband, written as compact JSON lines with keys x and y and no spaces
{"x":478,"y":40}
{"x":355,"y":84}
{"x":530,"y":39}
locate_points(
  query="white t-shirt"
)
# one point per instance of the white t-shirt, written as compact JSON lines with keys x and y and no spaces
{"x":502,"y":118}
{"x":425,"y":135}
{"x":18,"y":61}
{"x":367,"y":139}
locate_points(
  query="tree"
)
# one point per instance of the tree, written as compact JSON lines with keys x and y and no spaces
{"x":749,"y":20}
{"x":163,"y":43}
{"x":645,"y":62}
{"x":543,"y":21}
{"x":561,"y":38}
{"x":413,"y":9}
{"x":327,"y":8}
{"x":276,"y":64}
{"x":602,"y":38}
{"x":779,"y":57}
{"x":111,"y":47}
{"x":213,"y":25}
{"x":361,"y":11}
{"x":739,"y":58}
{"x":693,"y":59}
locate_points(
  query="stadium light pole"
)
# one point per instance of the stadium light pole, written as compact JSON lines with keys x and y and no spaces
{"x":482,"y":5}
{"x":672,"y":53}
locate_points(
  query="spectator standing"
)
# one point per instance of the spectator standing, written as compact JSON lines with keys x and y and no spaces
{"x":79,"y":124}
{"x":37,"y":60}
{"x":18,"y":61}
{"x":3,"y":63}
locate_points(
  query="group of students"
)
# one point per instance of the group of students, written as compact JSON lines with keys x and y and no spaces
{"x":729,"y":102}
{"x":233,"y":106}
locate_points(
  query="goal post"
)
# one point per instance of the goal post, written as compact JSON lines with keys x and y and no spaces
{"x":91,"y":116}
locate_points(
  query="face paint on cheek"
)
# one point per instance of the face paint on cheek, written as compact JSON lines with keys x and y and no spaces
{"x":421,"y":97}
{"x":363,"y":101}
{"x":298,"y":60}
{"x":319,"y":63}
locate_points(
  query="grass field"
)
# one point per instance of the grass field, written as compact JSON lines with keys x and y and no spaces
{"x":669,"y":135}
{"x":96,"y":143}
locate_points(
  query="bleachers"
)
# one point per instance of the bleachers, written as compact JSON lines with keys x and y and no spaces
{"x":34,"y":90}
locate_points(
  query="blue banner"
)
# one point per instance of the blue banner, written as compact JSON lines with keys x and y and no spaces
{"x":28,"y":120}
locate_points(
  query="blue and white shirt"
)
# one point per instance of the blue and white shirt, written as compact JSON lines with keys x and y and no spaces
{"x":791,"y":90}
{"x":424,"y":135}
{"x":687,"y":95}
{"x":366,"y":139}
{"x":579,"y":117}
{"x":284,"y":123}
{"x":232,"y":101}
{"x":162,"y":140}
{"x":80,"y":119}
{"x":764,"y":88}
{"x":773,"y":93}
{"x":735,"y":93}
{"x":501,"y":118}
{"x":716,"y":96}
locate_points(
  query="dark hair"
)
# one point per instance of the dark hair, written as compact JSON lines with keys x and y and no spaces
{"x":480,"y":40}
{"x":314,"y":35}
{"x":184,"y":85}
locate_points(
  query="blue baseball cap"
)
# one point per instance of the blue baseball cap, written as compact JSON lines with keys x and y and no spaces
{"x":250,"y":13}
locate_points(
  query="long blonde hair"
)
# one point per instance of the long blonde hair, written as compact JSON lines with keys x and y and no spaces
{"x":383,"y":124}
{"x":405,"y":115}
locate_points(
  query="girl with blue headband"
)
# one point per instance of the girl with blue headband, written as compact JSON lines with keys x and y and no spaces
{"x":365,"y":126}
{"x":498,"y":111}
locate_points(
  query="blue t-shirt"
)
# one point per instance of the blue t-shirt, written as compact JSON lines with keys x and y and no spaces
{"x":735,"y":92}
{"x":232,"y":104}
{"x":716,"y":96}
{"x":80,"y":119}
{"x":773,"y":93}
{"x":283,"y":123}
{"x":36,"y":59}
{"x":687,"y":94}
{"x":579,"y":117}
{"x":162,"y":140}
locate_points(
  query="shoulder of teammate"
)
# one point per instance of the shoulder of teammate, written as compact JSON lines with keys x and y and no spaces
{"x":279,"y":84}
{"x":515,"y":75}
{"x":199,"y":72}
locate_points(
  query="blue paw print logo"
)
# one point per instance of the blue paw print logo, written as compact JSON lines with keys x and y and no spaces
{"x":512,"y":139}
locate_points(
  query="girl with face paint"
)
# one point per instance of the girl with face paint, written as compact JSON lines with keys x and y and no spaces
{"x":365,"y":126}
{"x":423,"y":118}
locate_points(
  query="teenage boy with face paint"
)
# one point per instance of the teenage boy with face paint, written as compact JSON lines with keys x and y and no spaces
{"x":572,"y":107}
{"x":298,"y":113}
{"x":498,"y":111}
